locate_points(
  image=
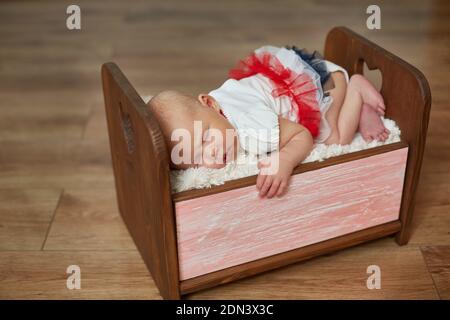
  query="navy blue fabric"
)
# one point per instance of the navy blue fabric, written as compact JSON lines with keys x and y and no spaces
{"x":314,"y":60}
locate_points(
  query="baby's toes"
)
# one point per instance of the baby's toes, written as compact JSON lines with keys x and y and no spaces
{"x":379,"y":137}
{"x":366,"y":137}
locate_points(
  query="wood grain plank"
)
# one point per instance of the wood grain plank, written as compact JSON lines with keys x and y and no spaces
{"x":104,"y":275}
{"x":283,"y":259}
{"x":213,"y":233}
{"x":56,"y":176}
{"x":25,"y":217}
{"x":431,"y":226}
{"x":437,"y":259}
{"x":88,"y":219}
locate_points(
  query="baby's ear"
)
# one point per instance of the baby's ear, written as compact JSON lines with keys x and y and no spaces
{"x":206,"y":100}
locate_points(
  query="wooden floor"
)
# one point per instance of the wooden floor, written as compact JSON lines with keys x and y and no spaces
{"x":57,"y":201}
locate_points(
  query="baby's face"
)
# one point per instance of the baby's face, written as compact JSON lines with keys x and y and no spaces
{"x":202,"y":138}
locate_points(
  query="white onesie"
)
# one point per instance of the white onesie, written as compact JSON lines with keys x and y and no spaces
{"x":253,"y":111}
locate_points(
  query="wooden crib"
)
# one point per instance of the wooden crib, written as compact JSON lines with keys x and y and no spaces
{"x":201,"y":238}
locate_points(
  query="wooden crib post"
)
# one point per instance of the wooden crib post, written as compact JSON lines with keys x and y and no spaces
{"x":408,"y":100}
{"x":141,"y":171}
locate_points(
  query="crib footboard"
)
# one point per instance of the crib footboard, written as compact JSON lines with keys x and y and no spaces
{"x":408,"y":101}
{"x":141,"y":170}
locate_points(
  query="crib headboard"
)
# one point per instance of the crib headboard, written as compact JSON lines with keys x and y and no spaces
{"x":407,"y":96}
{"x":141,"y":168}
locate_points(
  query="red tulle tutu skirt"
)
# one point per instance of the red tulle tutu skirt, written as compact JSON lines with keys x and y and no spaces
{"x":300,"y":88}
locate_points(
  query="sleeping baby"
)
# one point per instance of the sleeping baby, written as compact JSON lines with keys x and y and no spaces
{"x":277,"y":103}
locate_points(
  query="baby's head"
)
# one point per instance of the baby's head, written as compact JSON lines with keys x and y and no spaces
{"x":195,"y":131}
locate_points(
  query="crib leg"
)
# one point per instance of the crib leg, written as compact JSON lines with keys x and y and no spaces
{"x":407,"y":208}
{"x":402,"y":237}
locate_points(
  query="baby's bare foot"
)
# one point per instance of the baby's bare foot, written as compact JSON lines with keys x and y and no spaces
{"x":370,"y":125}
{"x":370,"y":94}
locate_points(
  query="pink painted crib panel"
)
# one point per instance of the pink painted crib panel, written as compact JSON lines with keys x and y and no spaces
{"x":233,"y":227}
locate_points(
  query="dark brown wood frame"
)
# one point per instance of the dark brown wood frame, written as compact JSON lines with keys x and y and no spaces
{"x":141,"y":166}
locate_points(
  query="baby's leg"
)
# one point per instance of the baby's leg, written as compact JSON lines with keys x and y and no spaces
{"x":344,"y":113}
{"x":332,"y":115}
{"x":370,"y":95}
{"x":349,"y":111}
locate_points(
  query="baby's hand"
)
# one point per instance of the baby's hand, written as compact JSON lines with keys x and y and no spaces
{"x":274,"y":175}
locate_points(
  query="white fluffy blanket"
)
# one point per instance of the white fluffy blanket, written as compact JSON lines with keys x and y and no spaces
{"x":246,"y":165}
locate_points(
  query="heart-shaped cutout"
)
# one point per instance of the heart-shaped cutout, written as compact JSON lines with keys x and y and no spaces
{"x":374,"y":76}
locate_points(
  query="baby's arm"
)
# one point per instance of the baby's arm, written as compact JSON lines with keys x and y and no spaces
{"x":295,"y":145}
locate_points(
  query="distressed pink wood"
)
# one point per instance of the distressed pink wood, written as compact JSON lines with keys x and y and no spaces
{"x":233,"y":227}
